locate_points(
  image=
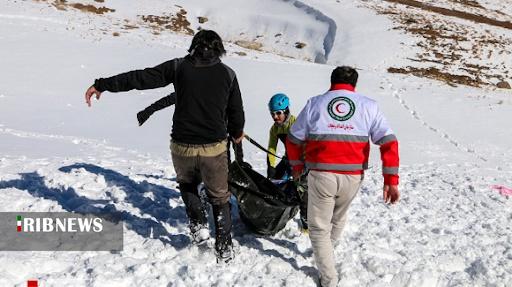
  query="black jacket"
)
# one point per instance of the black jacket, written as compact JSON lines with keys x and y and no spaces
{"x":207,"y":95}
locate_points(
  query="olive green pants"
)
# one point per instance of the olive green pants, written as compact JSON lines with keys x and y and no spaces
{"x":205,"y":162}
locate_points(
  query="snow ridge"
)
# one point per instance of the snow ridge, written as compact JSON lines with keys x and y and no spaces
{"x":331,"y":33}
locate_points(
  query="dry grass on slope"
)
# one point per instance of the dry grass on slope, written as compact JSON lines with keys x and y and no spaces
{"x":64,"y":5}
{"x":451,"y":49}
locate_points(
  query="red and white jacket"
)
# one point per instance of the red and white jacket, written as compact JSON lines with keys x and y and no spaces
{"x":333,"y":132}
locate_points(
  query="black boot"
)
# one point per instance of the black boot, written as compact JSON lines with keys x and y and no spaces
{"x":223,"y":242}
{"x":195,"y":212}
{"x":304,"y":224}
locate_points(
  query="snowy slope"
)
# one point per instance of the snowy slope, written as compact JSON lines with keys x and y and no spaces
{"x":450,"y":228}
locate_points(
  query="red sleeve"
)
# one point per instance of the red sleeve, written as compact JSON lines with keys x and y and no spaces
{"x":294,"y":152}
{"x":390,"y":162}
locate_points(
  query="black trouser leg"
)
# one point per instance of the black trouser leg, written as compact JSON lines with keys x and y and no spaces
{"x":222,"y":218}
{"x":302,"y":189}
{"x":303,"y":207}
{"x":195,"y":211}
{"x":281,"y":169}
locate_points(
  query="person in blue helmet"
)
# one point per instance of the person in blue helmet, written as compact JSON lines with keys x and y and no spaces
{"x":279,"y":107}
{"x":280,"y":112}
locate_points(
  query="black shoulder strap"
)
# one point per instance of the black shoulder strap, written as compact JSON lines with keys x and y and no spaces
{"x":255,"y":143}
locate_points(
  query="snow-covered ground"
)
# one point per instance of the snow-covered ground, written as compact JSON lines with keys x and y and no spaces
{"x":451,"y":228}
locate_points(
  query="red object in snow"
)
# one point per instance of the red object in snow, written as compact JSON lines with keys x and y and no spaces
{"x":32,"y":283}
{"x":502,"y":189}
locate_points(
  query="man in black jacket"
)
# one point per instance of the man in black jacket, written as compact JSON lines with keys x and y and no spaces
{"x":170,"y":100}
{"x":208,"y":106}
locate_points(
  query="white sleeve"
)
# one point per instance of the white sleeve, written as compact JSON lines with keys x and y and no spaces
{"x":300,"y":128}
{"x":380,"y":131}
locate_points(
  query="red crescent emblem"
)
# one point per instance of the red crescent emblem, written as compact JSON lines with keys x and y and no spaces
{"x":337,"y":108}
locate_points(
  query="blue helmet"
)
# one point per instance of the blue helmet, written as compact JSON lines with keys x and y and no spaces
{"x":278,"y":102}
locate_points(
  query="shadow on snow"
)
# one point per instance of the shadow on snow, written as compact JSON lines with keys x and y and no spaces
{"x":158,"y":208}
{"x":147,"y":227}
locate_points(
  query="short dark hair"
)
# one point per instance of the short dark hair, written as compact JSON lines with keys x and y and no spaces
{"x":344,"y":75}
{"x":207,"y":44}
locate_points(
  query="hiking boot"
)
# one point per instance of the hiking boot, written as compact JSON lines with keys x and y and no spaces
{"x":225,"y":255}
{"x":228,"y":253}
{"x":193,"y":205}
{"x":223,"y":241}
{"x":195,"y":212}
{"x":199,"y":233}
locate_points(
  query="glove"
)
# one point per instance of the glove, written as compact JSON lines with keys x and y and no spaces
{"x":245,"y":165}
{"x":143,"y":116}
{"x":271,"y":172}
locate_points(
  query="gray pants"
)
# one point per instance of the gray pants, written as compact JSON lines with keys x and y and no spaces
{"x":330,"y":195}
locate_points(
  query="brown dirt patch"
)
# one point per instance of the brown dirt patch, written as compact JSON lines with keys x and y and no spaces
{"x":177,"y":23}
{"x":503,"y":85}
{"x":434,"y":73}
{"x":448,"y":50}
{"x":91,"y":8}
{"x":63,"y":5}
{"x":455,"y":13}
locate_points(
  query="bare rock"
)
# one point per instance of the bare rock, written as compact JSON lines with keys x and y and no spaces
{"x":249,"y":44}
{"x":300,"y":45}
{"x":202,"y":19}
{"x":503,"y":85}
